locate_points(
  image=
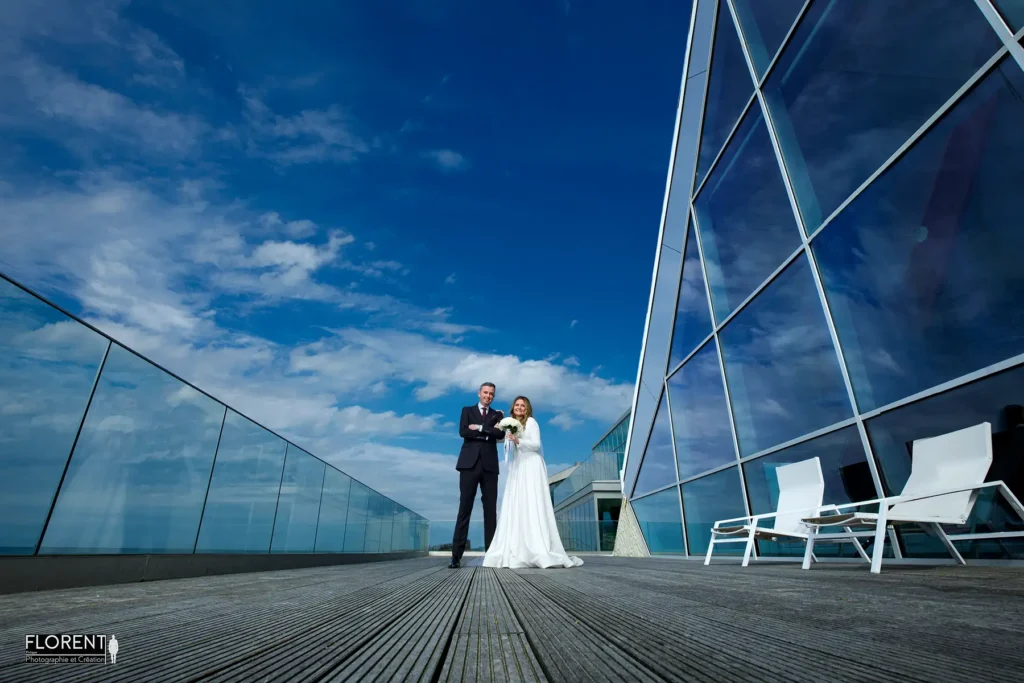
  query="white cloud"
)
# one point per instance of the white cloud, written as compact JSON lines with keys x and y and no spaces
{"x":572,"y":362}
{"x":450,"y":280}
{"x":573,"y":324}
{"x":447,"y":159}
{"x":563,"y":421}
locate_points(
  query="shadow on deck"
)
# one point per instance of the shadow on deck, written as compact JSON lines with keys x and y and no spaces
{"x":613,"y":619}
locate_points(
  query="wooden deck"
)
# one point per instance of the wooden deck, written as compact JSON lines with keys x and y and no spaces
{"x":611,"y":620}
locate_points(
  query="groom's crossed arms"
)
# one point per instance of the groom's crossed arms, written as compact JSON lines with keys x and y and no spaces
{"x":488,"y":428}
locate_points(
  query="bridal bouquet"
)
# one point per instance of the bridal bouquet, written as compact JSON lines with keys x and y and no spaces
{"x":511,"y":426}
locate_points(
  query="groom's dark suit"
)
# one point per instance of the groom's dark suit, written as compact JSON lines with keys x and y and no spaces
{"x":478,"y":467}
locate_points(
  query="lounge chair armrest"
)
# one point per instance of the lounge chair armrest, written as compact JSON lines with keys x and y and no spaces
{"x":945,"y":492}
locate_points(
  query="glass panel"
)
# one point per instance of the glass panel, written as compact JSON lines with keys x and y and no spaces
{"x":139,"y":474}
{"x":399,"y":542}
{"x":781,"y":366}
{"x":355,"y":520}
{"x":299,"y":505}
{"x":764,"y":25}
{"x":640,"y":425}
{"x":922,"y":270}
{"x":857,"y":79}
{"x":372,"y":542}
{"x":693,"y":319}
{"x":729,"y":90}
{"x":746,"y":222}
{"x":660,"y":523}
{"x":387,"y":522}
{"x":707,"y":500}
{"x":659,"y":332}
{"x":997,"y":400}
{"x":700,"y":415}
{"x":1012,"y":11}
{"x":658,"y":467}
{"x":608,"y":510}
{"x":847,"y":479}
{"x":240,"y":507}
{"x":330,"y":528}
{"x":48,"y":363}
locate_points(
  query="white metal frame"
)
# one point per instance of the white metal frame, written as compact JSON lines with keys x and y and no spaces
{"x":1011,"y":47}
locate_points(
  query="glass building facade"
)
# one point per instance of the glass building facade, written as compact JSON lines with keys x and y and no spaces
{"x":103,"y":452}
{"x":838,"y":268}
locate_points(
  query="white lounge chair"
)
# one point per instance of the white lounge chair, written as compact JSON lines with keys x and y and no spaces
{"x":801,"y":490}
{"x":946,"y":474}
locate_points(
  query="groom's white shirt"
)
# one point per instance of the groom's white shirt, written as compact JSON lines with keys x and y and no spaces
{"x":480,"y":407}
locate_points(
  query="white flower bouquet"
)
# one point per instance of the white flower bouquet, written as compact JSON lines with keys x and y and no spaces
{"x":511,"y":425}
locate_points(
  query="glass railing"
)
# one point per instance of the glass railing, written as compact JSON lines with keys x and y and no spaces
{"x":600,"y":466}
{"x":577,"y":536}
{"x":102,"y":451}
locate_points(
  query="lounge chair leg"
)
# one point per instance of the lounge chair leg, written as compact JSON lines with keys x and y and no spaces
{"x":856,"y":542}
{"x":895,"y":544}
{"x":809,"y":550}
{"x":879,"y":548}
{"x":711,"y":547}
{"x":750,"y":546}
{"x":949,"y":544}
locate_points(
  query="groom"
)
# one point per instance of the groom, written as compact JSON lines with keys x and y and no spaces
{"x":478,"y":467}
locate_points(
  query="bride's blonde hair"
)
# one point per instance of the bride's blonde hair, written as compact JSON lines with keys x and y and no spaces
{"x":529,"y":409}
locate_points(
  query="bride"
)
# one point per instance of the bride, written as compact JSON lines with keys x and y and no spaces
{"x":526,"y":535}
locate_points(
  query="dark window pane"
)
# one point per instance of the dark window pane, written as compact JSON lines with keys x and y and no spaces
{"x":48,"y":363}
{"x":659,"y":520}
{"x":355,"y":521}
{"x":299,"y":505}
{"x":923,"y":270}
{"x":847,"y":480}
{"x":781,"y":366}
{"x":658,"y":467}
{"x":729,"y":90}
{"x":707,"y":500}
{"x":330,"y":528}
{"x":997,"y":400}
{"x":693,"y":319}
{"x":858,"y":78}
{"x":239,"y":514}
{"x":764,"y":25}
{"x":746,"y":222}
{"x":700,"y":416}
{"x":139,"y":474}
{"x":1012,"y":11}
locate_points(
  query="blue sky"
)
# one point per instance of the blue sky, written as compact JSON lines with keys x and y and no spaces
{"x":341,"y":217}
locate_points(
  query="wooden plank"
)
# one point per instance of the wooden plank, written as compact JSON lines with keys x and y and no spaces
{"x":566,"y":648}
{"x":490,"y":643}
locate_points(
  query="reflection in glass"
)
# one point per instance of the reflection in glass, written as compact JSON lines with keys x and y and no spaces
{"x":387,"y":521}
{"x":658,"y":467}
{"x":996,"y":399}
{"x":764,"y":26}
{"x":400,"y":531}
{"x":373,"y":523}
{"x":355,"y":520}
{"x":640,"y":422}
{"x":1012,"y":11}
{"x":299,"y":505}
{"x":693,"y":319}
{"x":703,"y":30}
{"x":707,"y":500}
{"x":700,"y":415}
{"x":140,"y":471}
{"x":48,"y":363}
{"x":857,"y":79}
{"x":659,"y":520}
{"x":330,"y":528}
{"x":781,"y":366}
{"x":923,"y":270}
{"x":847,"y":480}
{"x":729,"y":90}
{"x":239,"y":513}
{"x":746,"y":222}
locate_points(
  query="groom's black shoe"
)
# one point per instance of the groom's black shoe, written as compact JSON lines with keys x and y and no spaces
{"x":454,"y":564}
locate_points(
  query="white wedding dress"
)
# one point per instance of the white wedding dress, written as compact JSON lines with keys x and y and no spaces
{"x":527,"y":535}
